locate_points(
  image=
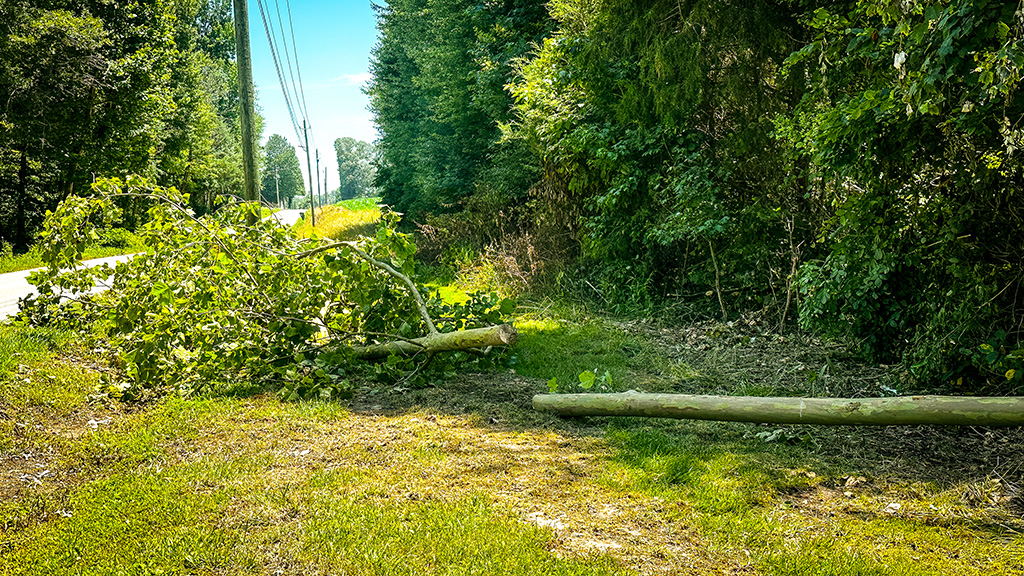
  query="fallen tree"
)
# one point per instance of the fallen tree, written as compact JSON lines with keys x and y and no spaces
{"x":213,"y":303}
{"x":903,"y":410}
{"x":501,"y":335}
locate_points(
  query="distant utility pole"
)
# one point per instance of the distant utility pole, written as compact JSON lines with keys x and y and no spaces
{"x":318,"y":174}
{"x":245,"y":97}
{"x":327,"y":196}
{"x":309,"y":170}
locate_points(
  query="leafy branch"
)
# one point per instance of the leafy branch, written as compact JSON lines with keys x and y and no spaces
{"x":213,"y":304}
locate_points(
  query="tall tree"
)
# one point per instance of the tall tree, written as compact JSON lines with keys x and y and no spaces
{"x":282,"y":176}
{"x":355,"y":168}
{"x":652,"y":122}
{"x":55,"y":69}
{"x":109,"y":88}
{"x":439,"y":98}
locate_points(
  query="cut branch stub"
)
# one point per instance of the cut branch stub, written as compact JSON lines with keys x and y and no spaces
{"x":904,"y":410}
{"x":501,"y":335}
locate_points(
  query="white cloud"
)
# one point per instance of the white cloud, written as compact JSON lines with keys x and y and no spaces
{"x":354,"y":79}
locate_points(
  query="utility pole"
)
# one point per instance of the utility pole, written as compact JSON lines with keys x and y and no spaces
{"x":327,"y":195}
{"x":245,"y":97}
{"x":309,"y":170}
{"x":318,"y":174}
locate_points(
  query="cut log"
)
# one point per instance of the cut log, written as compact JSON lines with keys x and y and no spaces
{"x":501,"y":335}
{"x":904,"y":410}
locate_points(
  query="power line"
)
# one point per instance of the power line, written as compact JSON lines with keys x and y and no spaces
{"x":294,"y":94}
{"x":280,"y":76}
{"x":295,"y":52}
{"x":288,"y":59}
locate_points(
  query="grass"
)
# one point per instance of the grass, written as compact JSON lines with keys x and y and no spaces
{"x":561,"y":342}
{"x":147,"y":522}
{"x":464,"y":537}
{"x":114,"y":243}
{"x":793,"y":510}
{"x":32,"y":259}
{"x":465,"y":478}
{"x":346,"y":220}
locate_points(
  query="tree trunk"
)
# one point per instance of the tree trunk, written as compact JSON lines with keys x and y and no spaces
{"x":906,"y":410}
{"x":20,"y":235}
{"x":501,"y":335}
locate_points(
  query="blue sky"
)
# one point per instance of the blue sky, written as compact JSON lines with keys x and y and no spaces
{"x":333,"y":40}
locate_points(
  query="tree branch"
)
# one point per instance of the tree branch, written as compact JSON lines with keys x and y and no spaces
{"x":420,"y":304}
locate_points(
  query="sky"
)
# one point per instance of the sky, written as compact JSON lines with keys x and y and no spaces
{"x":333,"y":39}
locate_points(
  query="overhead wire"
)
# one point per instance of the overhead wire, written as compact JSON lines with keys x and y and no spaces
{"x":288,"y":59}
{"x":271,"y":39}
{"x":298,"y":70}
{"x":294,"y":93}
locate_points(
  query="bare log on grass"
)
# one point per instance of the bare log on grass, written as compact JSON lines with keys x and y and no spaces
{"x":501,"y":335}
{"x":904,"y":410}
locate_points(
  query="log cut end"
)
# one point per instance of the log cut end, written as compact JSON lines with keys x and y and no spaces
{"x":507,"y":335}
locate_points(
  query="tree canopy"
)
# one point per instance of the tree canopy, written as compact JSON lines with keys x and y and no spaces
{"x":438,"y":96}
{"x":282,"y":178}
{"x":355,"y":168}
{"x":101,"y":88}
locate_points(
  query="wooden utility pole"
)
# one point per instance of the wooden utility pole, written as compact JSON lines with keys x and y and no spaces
{"x":891,"y":411}
{"x":327,"y":197}
{"x":309,"y":170}
{"x":318,"y":174}
{"x":245,"y":97}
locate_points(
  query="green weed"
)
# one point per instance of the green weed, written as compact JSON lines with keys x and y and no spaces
{"x":20,"y":345}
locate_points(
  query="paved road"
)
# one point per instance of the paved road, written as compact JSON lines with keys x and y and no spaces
{"x":288,"y":217}
{"x":14,"y":285}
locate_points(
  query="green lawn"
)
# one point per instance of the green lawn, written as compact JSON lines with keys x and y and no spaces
{"x":464,"y":478}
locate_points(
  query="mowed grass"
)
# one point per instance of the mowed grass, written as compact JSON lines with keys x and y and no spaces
{"x":112,"y":242}
{"x":32,"y":259}
{"x":465,"y":479}
{"x":238,"y":486}
{"x":343,"y":221}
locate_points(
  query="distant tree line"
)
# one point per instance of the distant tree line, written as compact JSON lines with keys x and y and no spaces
{"x":852,"y":166}
{"x":282,"y":178}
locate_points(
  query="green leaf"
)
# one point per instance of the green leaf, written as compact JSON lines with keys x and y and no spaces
{"x":507,"y":306}
{"x":587,"y":379}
